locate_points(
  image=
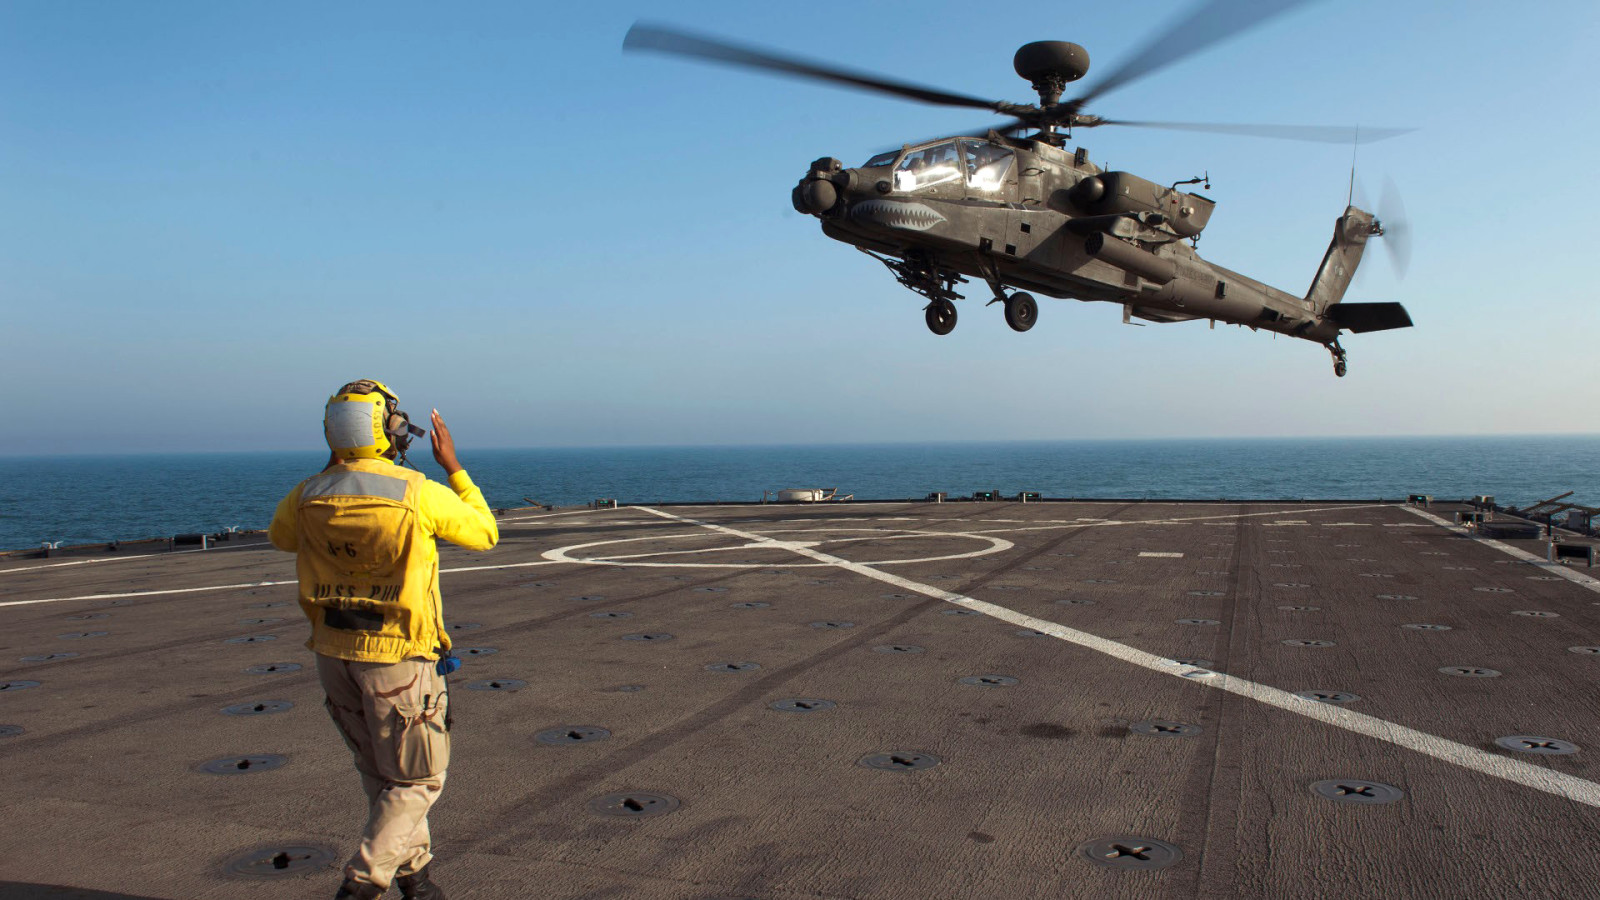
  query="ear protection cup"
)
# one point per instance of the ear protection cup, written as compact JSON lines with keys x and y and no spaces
{"x":398,"y":426}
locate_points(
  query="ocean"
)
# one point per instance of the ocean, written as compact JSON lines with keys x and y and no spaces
{"x":90,"y":499}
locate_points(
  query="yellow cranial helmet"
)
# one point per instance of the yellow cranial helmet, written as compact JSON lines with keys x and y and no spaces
{"x":363,"y":420}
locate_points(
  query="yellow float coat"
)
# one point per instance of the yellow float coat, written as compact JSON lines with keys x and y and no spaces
{"x":363,"y":533}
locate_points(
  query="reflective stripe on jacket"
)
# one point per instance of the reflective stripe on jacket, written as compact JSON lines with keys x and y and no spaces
{"x":363,"y":533}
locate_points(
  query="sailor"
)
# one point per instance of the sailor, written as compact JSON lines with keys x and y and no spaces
{"x":363,"y":533}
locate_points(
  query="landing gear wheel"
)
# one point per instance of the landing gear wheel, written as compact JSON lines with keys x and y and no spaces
{"x":1339,"y":368}
{"x":941,"y":316}
{"x":1339,"y":363}
{"x":1021,"y":311}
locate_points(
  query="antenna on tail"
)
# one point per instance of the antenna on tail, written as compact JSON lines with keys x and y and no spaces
{"x":1355,"y":145}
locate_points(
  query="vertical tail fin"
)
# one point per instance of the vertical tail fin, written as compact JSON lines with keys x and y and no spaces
{"x":1343,"y":256}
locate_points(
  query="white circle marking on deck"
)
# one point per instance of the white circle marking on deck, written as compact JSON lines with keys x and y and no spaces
{"x":766,"y":541}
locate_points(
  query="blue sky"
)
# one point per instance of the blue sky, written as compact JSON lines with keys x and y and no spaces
{"x":211,"y":215}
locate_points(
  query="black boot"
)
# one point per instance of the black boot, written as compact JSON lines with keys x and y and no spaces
{"x":356,"y":890}
{"x":416,"y":886}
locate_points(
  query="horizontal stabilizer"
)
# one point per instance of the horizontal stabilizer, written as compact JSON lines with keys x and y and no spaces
{"x":1364,"y":317}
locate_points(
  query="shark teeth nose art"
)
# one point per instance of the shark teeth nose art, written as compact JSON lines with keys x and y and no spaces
{"x":893,"y":214}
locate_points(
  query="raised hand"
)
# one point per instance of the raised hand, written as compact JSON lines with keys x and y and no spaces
{"x":444,"y":446}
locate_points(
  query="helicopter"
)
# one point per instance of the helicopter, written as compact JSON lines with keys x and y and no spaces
{"x":1023,"y":213}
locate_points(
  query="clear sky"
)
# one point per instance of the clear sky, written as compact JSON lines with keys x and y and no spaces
{"x":212,"y":215}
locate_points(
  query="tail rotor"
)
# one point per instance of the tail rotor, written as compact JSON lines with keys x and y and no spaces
{"x":1395,"y":228}
{"x":1389,"y":222}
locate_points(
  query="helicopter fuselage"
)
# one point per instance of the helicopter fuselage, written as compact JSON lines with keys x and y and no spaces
{"x":1026,"y":214}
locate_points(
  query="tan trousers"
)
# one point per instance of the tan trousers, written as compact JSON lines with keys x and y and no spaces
{"x":392,"y":716}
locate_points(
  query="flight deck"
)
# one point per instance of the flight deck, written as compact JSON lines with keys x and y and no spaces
{"x":876,"y":701}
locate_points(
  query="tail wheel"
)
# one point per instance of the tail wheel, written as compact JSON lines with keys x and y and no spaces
{"x":941,"y":316}
{"x":1021,"y":311}
{"x":1339,"y":357}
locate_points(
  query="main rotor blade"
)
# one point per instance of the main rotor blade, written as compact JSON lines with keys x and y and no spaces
{"x":682,"y":43}
{"x":1210,"y":22}
{"x":1323,"y":134}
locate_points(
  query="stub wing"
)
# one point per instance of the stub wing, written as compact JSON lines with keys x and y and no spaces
{"x":1363,"y":317}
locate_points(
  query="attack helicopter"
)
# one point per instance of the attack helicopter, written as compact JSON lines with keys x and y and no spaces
{"x":1023,"y":213}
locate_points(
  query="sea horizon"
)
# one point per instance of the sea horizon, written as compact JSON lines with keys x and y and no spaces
{"x":421,"y":446}
{"x":94,"y":498}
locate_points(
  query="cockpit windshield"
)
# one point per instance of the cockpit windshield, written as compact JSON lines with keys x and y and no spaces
{"x":928,"y":166}
{"x":987,"y":165}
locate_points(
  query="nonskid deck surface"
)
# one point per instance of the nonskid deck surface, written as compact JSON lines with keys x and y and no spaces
{"x":713,"y":686}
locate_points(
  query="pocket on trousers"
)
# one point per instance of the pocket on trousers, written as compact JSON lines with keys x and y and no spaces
{"x":422,"y":746}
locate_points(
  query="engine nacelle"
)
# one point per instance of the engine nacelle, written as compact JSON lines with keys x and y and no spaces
{"x":1122,"y":193}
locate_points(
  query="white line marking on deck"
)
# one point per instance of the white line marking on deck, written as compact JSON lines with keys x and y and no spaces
{"x":229,"y":587}
{"x":1161,"y":554}
{"x":1571,"y":575}
{"x":1277,"y":512}
{"x":110,"y":559}
{"x":1552,"y":782}
{"x":214,"y":587}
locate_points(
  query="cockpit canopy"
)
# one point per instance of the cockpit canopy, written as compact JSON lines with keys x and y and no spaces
{"x":982,"y":165}
{"x":882,"y":159}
